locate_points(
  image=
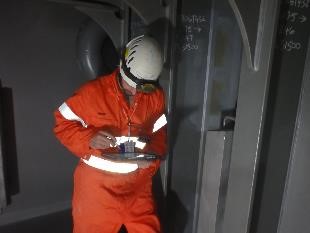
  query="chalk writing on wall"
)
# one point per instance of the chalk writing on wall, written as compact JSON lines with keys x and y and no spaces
{"x":193,"y":25}
{"x":299,"y":3}
{"x":293,"y":22}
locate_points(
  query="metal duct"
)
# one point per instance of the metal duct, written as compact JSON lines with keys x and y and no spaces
{"x":96,"y":53}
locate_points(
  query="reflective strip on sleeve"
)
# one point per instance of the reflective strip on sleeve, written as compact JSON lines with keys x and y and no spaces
{"x":123,"y":139}
{"x":110,"y":166}
{"x":68,"y":114}
{"x":140,"y":145}
{"x":161,"y":121}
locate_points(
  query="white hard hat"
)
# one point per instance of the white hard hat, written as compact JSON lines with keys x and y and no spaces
{"x":141,"y":62}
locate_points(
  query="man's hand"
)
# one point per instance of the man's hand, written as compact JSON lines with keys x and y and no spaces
{"x":102,"y":140}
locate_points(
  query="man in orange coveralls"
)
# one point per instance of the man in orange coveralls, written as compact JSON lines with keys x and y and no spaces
{"x":126,"y":106}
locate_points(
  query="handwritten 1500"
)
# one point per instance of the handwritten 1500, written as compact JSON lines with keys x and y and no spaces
{"x":290,"y":45}
{"x":189,"y":47}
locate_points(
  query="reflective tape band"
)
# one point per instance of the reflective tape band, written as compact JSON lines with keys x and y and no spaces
{"x":123,"y":139}
{"x":68,"y":114}
{"x":161,"y":121}
{"x":110,"y":166}
{"x":140,"y":145}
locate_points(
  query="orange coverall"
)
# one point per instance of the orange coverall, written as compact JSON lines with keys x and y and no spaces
{"x":103,"y":200}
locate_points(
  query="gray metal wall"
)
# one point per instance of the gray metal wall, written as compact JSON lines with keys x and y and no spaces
{"x":189,"y":96}
{"x":38,"y":65}
{"x":280,"y":131}
{"x":255,"y":72}
{"x":295,"y":208}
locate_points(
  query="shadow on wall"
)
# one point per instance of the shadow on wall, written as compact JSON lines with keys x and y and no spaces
{"x":177,"y":215}
{"x":59,"y":222}
{"x":172,"y":213}
{"x":9,"y":143}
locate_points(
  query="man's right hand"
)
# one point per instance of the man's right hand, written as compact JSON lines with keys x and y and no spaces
{"x":102,"y":140}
